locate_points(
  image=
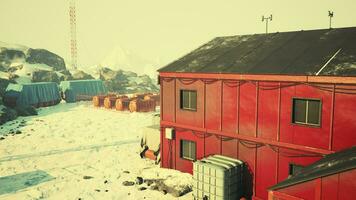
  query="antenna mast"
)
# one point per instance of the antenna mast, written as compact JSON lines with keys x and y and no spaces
{"x":73,"y":34}
{"x":331,"y":15}
{"x":267,"y":19}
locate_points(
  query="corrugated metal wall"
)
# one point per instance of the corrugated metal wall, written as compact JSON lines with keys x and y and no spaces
{"x":256,"y":109}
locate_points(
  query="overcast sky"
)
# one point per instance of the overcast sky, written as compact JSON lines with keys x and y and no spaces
{"x":157,"y":29}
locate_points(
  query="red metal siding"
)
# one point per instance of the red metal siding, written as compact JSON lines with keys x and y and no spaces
{"x":265,"y":171}
{"x":347,"y":185}
{"x":230,"y":148}
{"x":231,"y":108}
{"x":330,"y":187}
{"x":168,"y":100}
{"x":268,"y":105}
{"x":308,"y":135}
{"x":213,"y":105}
{"x":183,"y":164}
{"x":187,"y":117}
{"x":212,"y":145}
{"x":304,"y":190}
{"x":344,"y":121}
{"x":247,"y":109}
{"x":168,"y":152}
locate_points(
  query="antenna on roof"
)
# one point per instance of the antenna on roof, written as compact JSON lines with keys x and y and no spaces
{"x":267,"y":19}
{"x":331,"y":15}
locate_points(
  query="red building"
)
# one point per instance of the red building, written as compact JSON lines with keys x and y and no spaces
{"x":277,"y":101}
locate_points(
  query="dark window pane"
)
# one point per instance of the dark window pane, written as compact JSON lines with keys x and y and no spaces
{"x":313,"y":112}
{"x":299,"y":110}
{"x":188,"y":149}
{"x":185,"y":99}
{"x":192,"y":150}
{"x":188,"y":99}
{"x":193,"y":100}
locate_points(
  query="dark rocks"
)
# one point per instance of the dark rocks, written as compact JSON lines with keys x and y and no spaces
{"x":80,"y":75}
{"x":126,"y":172}
{"x":2,"y":138}
{"x":128,"y":183}
{"x":46,"y":76}
{"x":97,"y":190}
{"x":106,"y":182}
{"x":7,"y":114}
{"x":26,"y":111}
{"x":148,"y":182}
{"x":142,"y":188}
{"x":87,"y":177}
{"x":18,"y":132}
{"x":139,"y":180}
{"x":46,"y":57}
{"x":125,"y":82}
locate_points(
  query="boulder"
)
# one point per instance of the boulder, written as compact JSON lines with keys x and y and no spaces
{"x":46,"y":57}
{"x":80,"y":75}
{"x":125,"y":82}
{"x":25,"y":110}
{"x":7,"y":114}
{"x":46,"y":76}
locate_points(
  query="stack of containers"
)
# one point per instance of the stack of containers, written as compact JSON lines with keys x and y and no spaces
{"x":218,"y":178}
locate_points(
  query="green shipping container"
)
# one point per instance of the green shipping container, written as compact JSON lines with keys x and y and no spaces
{"x":77,"y":90}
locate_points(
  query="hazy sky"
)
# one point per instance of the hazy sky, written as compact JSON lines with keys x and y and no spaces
{"x":157,"y":29}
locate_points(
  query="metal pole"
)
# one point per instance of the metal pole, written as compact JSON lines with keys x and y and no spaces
{"x":331,"y":15}
{"x":267,"y":18}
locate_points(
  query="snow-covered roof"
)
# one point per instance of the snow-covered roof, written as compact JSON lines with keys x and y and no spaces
{"x":295,"y":53}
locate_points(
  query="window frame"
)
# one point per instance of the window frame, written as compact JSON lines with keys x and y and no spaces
{"x":306,"y":112}
{"x":294,"y":169}
{"x":190,"y":150}
{"x":189,"y":100}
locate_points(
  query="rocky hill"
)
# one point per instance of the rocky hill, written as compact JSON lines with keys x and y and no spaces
{"x":20,"y":64}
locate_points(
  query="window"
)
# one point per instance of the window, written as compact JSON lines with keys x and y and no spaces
{"x":188,"y":100}
{"x":294,"y":169}
{"x":306,"y":111}
{"x":187,"y":149}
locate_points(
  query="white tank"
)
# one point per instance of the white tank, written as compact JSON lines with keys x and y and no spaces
{"x":217,"y":178}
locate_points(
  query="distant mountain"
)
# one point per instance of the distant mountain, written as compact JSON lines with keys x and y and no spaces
{"x":123,"y":59}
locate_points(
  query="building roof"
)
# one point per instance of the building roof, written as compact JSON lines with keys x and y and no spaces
{"x":287,"y":53}
{"x":331,"y":164}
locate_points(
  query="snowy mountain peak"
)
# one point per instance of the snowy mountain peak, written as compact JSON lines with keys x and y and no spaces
{"x":121,"y":58}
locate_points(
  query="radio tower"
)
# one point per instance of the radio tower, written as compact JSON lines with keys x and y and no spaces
{"x":73,"y":34}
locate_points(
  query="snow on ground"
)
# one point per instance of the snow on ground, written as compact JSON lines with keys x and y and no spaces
{"x":87,"y":152}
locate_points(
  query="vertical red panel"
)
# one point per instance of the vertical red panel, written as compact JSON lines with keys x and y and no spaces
{"x":230,"y":103}
{"x":247,"y":107}
{"x":213,"y":105}
{"x":286,"y":131}
{"x":265,"y":171}
{"x":168,"y":100}
{"x":248,"y":155}
{"x":183,"y":164}
{"x":268,"y":110}
{"x":230,"y":148}
{"x":187,"y":117}
{"x":344,"y":121}
{"x":314,"y":136}
{"x":168,"y":152}
{"x":330,"y":187}
{"x":212,"y":145}
{"x":347,"y":185}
